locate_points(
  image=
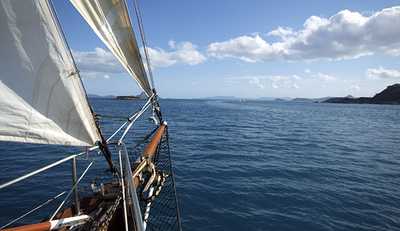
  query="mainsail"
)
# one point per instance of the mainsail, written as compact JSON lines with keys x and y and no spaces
{"x":42,"y":99}
{"x":110,"y":21}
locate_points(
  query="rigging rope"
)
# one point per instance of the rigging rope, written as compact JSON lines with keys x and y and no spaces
{"x":144,"y":42}
{"x":33,"y":210}
{"x":70,"y":192}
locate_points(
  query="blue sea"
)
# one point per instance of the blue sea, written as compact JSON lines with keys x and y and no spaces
{"x":249,"y":165}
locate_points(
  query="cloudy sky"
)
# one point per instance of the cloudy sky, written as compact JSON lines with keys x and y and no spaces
{"x":251,"y":48}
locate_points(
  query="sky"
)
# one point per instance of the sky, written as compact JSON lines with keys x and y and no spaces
{"x":250,"y":48}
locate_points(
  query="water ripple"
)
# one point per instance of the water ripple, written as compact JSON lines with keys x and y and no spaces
{"x":267,"y":166}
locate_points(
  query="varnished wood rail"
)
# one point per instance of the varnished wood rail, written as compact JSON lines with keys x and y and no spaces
{"x":51,"y":225}
{"x":151,"y":148}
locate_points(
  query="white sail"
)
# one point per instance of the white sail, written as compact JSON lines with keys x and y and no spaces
{"x":42,"y":99}
{"x":110,"y":21}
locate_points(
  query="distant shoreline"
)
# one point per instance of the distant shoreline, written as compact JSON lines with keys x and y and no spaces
{"x":118,"y":97}
{"x":126,"y":97}
{"x":390,"y":96}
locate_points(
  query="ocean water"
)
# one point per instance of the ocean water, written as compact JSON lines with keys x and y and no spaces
{"x":252,"y":165}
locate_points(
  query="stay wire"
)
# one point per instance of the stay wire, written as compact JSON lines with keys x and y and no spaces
{"x":144,"y":42}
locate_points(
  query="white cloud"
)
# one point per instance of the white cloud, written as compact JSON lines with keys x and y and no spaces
{"x":325,"y":77}
{"x":282,"y":81}
{"x":345,"y":35}
{"x":284,"y":33}
{"x":296,"y":77}
{"x":355,"y":87}
{"x":393,"y":52}
{"x":102,"y":63}
{"x":274,"y":81}
{"x":98,"y":61}
{"x":256,"y":81}
{"x":94,"y":75}
{"x":172,"y":44}
{"x":285,"y":81}
{"x":382,"y":73}
{"x":246,"y":48}
{"x":180,"y":53}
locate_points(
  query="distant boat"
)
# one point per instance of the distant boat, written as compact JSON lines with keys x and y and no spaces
{"x":43,"y":100}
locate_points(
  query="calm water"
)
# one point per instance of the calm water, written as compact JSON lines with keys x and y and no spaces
{"x":255,"y":165}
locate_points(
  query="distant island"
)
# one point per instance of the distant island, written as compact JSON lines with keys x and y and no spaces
{"x":126,"y":97}
{"x":131,"y":97}
{"x":391,"y":95}
{"x":94,"y":96}
{"x":308,"y":100}
{"x":119,"y":97}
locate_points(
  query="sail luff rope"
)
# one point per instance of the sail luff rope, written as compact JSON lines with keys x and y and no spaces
{"x":54,"y":15}
{"x":102,"y":142}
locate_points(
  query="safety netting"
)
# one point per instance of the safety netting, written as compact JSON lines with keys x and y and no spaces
{"x":160,"y":211}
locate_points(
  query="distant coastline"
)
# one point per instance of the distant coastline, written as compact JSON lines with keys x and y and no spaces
{"x":126,"y":97}
{"x":390,"y":95}
{"x":118,"y":97}
{"x":94,"y":96}
{"x":131,"y":97}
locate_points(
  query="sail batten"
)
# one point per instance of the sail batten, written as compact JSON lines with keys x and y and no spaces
{"x":110,"y":21}
{"x":42,"y":99}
